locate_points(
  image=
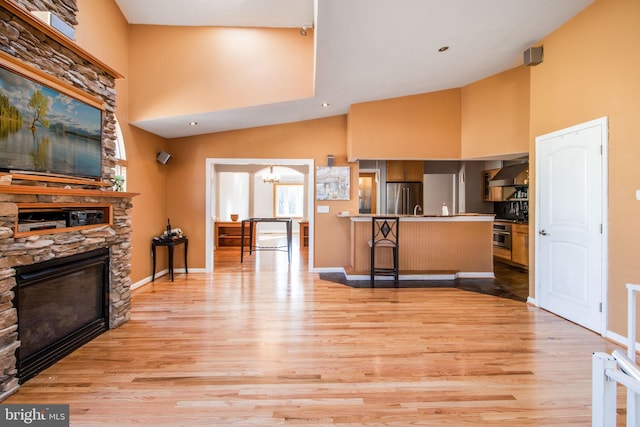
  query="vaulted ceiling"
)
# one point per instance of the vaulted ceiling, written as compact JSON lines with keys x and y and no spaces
{"x":367,"y":49}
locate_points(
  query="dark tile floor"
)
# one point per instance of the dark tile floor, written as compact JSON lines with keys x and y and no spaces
{"x":514,"y":278}
{"x":510,"y":282}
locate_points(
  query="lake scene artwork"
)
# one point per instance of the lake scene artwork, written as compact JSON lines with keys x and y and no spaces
{"x":43,"y":130}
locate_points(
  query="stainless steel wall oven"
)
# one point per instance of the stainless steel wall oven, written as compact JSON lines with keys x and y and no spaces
{"x":502,"y":235}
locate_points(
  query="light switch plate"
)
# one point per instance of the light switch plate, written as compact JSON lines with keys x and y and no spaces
{"x":637,"y":194}
{"x":323,"y":209}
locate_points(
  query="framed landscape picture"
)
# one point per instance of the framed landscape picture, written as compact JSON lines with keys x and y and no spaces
{"x":45,"y":130}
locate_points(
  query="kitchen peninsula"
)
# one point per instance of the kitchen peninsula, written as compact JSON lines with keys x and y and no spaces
{"x":431,"y":247}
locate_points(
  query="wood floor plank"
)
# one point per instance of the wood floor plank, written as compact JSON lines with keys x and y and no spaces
{"x":266,"y":343}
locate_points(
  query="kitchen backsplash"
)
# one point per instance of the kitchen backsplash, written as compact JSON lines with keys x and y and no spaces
{"x":513,"y":210}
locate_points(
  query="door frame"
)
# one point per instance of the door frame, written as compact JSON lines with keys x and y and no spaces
{"x":210,"y":187}
{"x":376,"y":173}
{"x":603,"y":123}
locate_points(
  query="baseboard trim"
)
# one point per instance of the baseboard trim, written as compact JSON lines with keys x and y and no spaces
{"x":147,"y":280}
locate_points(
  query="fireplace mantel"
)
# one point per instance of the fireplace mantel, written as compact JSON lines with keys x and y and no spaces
{"x":61,"y":191}
{"x":42,"y":186}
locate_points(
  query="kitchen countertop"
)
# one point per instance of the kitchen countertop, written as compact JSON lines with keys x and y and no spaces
{"x":464,"y":217}
{"x":512,"y":221}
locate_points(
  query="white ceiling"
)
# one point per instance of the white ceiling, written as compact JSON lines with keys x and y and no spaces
{"x":220,"y":13}
{"x":366,"y":49}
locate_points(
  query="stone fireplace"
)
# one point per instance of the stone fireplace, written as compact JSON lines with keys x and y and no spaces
{"x":44,"y":246}
{"x":29,"y":44}
{"x":62,"y":304}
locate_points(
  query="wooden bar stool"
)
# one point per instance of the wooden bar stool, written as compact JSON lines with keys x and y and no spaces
{"x":384,"y":234}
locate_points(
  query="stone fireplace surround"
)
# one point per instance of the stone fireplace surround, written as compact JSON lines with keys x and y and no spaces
{"x":34,"y":44}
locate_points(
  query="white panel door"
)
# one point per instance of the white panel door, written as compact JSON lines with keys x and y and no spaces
{"x":570,"y":213}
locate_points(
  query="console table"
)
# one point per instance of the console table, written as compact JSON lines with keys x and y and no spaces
{"x":169,"y":243}
{"x":252,"y":247}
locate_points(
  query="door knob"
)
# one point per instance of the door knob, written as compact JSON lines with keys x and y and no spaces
{"x":543,"y":233}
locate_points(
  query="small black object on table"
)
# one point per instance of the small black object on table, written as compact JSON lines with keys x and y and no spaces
{"x":251,"y":221}
{"x":170,"y":242}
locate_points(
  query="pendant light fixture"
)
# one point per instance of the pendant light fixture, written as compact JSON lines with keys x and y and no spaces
{"x":271,"y":177}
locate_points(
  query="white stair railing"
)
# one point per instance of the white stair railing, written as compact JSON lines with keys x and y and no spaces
{"x":610,"y":370}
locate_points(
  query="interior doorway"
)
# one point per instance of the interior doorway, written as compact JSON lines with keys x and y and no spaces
{"x":368,"y":187}
{"x":215,"y":165}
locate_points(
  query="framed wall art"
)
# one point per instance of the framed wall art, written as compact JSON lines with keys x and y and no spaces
{"x":333,"y":183}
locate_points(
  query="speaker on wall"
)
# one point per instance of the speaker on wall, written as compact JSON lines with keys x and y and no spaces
{"x":533,"y":56}
{"x":163,"y":157}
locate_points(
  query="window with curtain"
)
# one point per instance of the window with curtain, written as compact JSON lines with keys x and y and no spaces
{"x":233,"y":190}
{"x":289,"y":200}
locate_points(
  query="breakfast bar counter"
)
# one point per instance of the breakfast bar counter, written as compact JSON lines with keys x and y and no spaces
{"x":431,"y":247}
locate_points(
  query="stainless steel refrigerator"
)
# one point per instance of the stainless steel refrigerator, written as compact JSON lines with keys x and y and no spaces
{"x":403,"y":197}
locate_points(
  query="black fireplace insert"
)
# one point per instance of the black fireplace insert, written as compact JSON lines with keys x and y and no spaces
{"x":62,"y":304}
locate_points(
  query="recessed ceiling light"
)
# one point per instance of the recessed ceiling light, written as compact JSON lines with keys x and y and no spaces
{"x":325,"y":104}
{"x":443,"y":49}
{"x":193,"y":123}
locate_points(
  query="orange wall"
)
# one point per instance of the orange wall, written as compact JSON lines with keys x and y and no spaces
{"x":99,"y":21}
{"x":425,"y":126}
{"x":590,"y":71}
{"x":495,"y":115}
{"x":312,"y":139}
{"x":184,"y":70}
{"x":96,"y":20}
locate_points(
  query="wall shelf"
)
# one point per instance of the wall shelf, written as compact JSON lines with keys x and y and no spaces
{"x":51,"y":218}
{"x":230,"y":234}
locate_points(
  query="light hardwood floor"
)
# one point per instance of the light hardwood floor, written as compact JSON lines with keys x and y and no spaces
{"x":266,"y":343}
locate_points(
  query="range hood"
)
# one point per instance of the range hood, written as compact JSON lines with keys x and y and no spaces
{"x":507,"y":175}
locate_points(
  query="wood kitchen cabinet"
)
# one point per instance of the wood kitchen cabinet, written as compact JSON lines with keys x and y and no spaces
{"x":502,"y":254}
{"x":405,"y":170}
{"x":520,"y":244}
{"x":490,"y":194}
